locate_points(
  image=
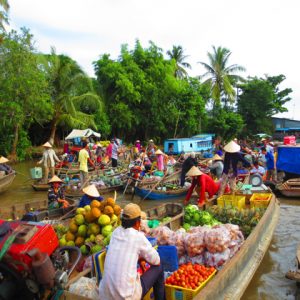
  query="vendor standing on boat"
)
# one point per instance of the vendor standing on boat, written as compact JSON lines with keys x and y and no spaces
{"x":90,"y":193}
{"x":56,"y":196}
{"x":48,"y":159}
{"x":160,"y":160}
{"x":189,"y":162}
{"x":203,"y":183}
{"x":127,"y":247}
{"x":83,"y":159}
{"x":231,"y":159}
{"x":4,"y":167}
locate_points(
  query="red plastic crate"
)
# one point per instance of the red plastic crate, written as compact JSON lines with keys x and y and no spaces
{"x":289,"y":140}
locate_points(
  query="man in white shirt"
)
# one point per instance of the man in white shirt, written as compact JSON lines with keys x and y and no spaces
{"x":257,"y":169}
{"x":127,"y":247}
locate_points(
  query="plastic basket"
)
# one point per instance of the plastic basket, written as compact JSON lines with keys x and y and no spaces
{"x":231,"y":201}
{"x":168,"y":257}
{"x":174,"y":292}
{"x":36,"y":173}
{"x":260,"y":199}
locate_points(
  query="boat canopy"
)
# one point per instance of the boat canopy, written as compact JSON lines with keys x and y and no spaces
{"x":289,"y":159}
{"x":77,"y":133}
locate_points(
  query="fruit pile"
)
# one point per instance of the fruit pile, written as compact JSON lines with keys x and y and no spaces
{"x":190,"y":276}
{"x":92,"y":226}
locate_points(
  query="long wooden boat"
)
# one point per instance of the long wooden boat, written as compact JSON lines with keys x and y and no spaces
{"x":290,"y":188}
{"x":6,"y":181}
{"x":232,"y":280}
{"x":40,"y":186}
{"x":38,"y":209}
{"x":160,"y":194}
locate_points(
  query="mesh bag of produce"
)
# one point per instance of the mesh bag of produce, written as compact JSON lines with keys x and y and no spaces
{"x":217,"y":239}
{"x":177,"y":239}
{"x":194,"y":243}
{"x":216,"y":259}
{"x":163,"y":234}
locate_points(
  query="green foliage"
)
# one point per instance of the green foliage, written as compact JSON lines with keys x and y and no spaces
{"x":259,"y":101}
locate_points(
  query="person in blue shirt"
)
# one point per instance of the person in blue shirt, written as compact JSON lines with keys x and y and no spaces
{"x":270,"y":164}
{"x":90,"y":193}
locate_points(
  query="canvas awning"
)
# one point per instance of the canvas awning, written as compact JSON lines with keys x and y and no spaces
{"x":77,"y":133}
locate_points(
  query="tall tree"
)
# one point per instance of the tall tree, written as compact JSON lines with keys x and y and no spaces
{"x":178,"y":56}
{"x":221,"y":75}
{"x":24,"y":96}
{"x":72,"y":96}
{"x":4,"y":7}
{"x":259,"y":100}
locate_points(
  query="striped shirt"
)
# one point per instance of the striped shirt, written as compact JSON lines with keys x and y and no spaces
{"x":121,"y":279}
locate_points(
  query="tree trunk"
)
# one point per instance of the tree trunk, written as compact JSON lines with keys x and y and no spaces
{"x":13,"y":153}
{"x":176,"y":125}
{"x":53,"y":131}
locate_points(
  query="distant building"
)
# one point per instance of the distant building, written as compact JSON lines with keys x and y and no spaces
{"x":284,"y":127}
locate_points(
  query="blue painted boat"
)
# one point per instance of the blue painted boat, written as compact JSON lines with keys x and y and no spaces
{"x":160,"y":194}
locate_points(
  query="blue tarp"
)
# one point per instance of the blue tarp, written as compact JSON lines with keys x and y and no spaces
{"x":289,"y":159}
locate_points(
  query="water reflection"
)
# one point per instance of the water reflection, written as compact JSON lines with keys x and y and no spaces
{"x":268,"y":282}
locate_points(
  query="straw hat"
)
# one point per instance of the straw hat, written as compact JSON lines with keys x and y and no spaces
{"x":217,"y":157}
{"x":232,"y":147}
{"x":131,"y":211}
{"x":3,"y":160}
{"x":157,"y":152}
{"x":91,"y":191}
{"x":151,"y":141}
{"x":143,"y":215}
{"x":55,"y":179}
{"x":263,"y":139}
{"x":194,"y":171}
{"x":137,"y":141}
{"x":47,"y":145}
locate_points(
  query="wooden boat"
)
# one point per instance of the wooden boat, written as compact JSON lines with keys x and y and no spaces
{"x":295,"y":274}
{"x":232,"y":280}
{"x":290,"y":188}
{"x":6,"y":181}
{"x":37,"y":186}
{"x":160,"y":194}
{"x":39,"y":210}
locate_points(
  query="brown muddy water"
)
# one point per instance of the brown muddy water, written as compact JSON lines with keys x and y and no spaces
{"x":268,"y":282}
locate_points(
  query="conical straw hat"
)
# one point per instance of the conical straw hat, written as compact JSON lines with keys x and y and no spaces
{"x":217,"y":157}
{"x":91,"y":190}
{"x":194,"y":171}
{"x":3,"y":160}
{"x":48,"y":145}
{"x":158,"y":152}
{"x":232,"y":147}
{"x":55,"y":179}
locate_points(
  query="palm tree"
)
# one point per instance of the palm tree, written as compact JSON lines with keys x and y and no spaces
{"x":72,"y":95}
{"x":222,"y":76}
{"x":4,"y":7}
{"x":179,"y":57}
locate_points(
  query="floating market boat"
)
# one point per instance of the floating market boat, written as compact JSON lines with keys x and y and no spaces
{"x":38,"y":186}
{"x":163,"y":193}
{"x":6,"y":181}
{"x":290,"y":188}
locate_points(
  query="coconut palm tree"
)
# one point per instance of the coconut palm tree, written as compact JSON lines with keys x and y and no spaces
{"x":71,"y":91}
{"x":177,"y":54}
{"x":221,"y":76}
{"x":4,"y":7}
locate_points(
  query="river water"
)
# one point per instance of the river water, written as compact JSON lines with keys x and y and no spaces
{"x":268,"y":282}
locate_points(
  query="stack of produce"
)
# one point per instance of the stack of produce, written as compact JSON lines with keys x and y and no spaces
{"x":104,"y":181}
{"x":246,"y":219}
{"x":195,"y":217}
{"x":190,"y":276}
{"x":92,"y":226}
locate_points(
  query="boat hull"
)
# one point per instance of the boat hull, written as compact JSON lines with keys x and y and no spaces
{"x":232,"y":280}
{"x":40,"y":186}
{"x":153,"y":195}
{"x":6,"y":181}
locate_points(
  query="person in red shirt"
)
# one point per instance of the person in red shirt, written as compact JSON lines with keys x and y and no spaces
{"x":203,"y":184}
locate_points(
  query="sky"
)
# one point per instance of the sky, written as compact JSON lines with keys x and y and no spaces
{"x":263,"y":35}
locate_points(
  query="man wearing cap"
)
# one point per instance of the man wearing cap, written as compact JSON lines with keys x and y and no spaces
{"x":231,"y":159}
{"x":56,"y":197}
{"x":3,"y":166}
{"x":90,"y":193}
{"x":190,"y":161}
{"x":204,"y":183}
{"x":127,"y":247}
{"x":217,"y":166}
{"x":48,"y":159}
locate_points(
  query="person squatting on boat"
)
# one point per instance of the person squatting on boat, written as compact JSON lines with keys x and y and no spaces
{"x":48,"y":160}
{"x":56,"y":196}
{"x":128,"y":247}
{"x":90,"y":193}
{"x":4,"y":167}
{"x":203,"y":183}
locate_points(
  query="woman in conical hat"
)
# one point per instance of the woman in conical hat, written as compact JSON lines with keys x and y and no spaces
{"x":90,"y":193}
{"x":160,"y":160}
{"x":217,"y":166}
{"x":4,"y":167}
{"x":231,"y":159}
{"x":56,"y":195}
{"x":203,"y":184}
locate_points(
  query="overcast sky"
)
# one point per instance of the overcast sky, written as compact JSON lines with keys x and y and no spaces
{"x":263,"y":35}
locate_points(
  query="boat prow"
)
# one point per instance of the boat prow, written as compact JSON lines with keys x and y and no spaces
{"x":6,"y":181}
